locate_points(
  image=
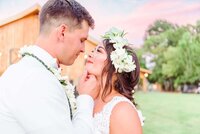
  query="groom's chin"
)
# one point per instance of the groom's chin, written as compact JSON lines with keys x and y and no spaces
{"x":68,"y":63}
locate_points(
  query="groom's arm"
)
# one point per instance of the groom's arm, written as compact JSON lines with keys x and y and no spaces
{"x":83,"y":116}
{"x":88,"y":91}
{"x":41,"y":107}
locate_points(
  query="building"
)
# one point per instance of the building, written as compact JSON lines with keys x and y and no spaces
{"x":15,"y":32}
{"x":23,"y":29}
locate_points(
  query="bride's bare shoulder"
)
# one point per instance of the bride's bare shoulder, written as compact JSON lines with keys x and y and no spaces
{"x":124,"y":119}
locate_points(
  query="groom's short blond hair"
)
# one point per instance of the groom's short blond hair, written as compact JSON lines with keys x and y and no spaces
{"x":57,"y":12}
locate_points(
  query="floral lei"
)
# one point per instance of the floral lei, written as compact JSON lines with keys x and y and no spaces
{"x":120,"y":57}
{"x":69,"y":88}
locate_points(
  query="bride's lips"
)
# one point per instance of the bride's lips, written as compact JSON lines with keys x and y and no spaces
{"x":89,"y":61}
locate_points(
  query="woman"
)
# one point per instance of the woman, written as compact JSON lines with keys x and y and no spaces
{"x":116,"y":67}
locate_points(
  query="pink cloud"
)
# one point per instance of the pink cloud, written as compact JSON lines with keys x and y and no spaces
{"x":138,"y":20}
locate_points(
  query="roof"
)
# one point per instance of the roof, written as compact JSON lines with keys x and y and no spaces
{"x":32,"y":10}
{"x":93,"y":40}
{"x":145,"y":71}
{"x":35,"y":10}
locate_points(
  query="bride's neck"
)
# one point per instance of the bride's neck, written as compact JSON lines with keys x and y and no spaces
{"x":108,"y":97}
{"x":102,"y":88}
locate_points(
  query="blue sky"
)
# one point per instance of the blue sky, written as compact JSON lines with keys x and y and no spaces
{"x":134,"y":16}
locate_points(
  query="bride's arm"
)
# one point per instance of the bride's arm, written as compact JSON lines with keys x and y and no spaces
{"x":124,"y":120}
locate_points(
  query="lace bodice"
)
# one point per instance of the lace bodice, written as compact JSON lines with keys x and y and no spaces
{"x":102,"y":119}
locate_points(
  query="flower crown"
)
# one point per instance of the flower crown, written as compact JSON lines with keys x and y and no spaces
{"x":120,"y":57}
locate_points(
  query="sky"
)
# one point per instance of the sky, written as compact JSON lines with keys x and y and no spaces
{"x":132,"y":16}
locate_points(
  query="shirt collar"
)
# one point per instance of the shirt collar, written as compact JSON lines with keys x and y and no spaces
{"x":44,"y":56}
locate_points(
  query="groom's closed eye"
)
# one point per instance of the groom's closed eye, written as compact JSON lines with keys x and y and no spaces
{"x":83,"y":40}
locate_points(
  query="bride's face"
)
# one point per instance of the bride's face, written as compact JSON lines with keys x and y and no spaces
{"x":96,"y":60}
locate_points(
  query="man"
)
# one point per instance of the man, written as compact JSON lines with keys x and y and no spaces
{"x":32,"y":100}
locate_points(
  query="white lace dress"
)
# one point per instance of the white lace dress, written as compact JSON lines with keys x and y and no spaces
{"x":102,"y":119}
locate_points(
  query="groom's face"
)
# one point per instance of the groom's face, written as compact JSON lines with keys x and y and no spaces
{"x":73,"y":44}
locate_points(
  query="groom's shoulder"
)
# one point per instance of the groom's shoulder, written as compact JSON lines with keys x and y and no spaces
{"x":21,"y":67}
{"x":25,"y":69}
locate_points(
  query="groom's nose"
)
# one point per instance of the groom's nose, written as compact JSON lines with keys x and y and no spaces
{"x":83,"y":48}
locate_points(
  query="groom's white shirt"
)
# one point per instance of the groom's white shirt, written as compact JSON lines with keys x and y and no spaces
{"x":32,"y":101}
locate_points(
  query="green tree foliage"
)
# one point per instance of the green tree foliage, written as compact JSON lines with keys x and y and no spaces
{"x":176,"y":49}
{"x":183,"y":61}
{"x":140,"y":52}
{"x":158,"y":27}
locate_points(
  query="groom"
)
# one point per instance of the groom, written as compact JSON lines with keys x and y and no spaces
{"x":32,"y":100}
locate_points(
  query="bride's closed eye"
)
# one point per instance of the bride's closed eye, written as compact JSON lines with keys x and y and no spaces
{"x":100,"y":49}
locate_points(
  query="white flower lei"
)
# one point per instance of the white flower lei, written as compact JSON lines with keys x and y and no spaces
{"x":69,"y":88}
{"x":120,"y":58}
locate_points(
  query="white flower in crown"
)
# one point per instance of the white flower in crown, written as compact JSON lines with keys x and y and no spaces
{"x":122,"y":61}
{"x":118,"y":41}
{"x":120,"y":57}
{"x":114,"y":32}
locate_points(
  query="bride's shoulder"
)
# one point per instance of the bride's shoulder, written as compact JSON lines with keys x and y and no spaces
{"x":124,"y":116}
{"x":124,"y":108}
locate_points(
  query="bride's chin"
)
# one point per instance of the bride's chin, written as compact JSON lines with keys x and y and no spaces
{"x":92,"y":73}
{"x":89,"y":68}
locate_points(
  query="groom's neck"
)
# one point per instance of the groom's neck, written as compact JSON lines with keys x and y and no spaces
{"x":47,"y":43}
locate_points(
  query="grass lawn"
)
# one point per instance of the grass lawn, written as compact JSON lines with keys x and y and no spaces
{"x":169,"y":113}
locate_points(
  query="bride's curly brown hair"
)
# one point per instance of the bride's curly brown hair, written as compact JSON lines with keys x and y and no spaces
{"x":124,"y":82}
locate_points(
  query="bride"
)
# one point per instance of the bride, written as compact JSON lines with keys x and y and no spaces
{"x":116,"y":67}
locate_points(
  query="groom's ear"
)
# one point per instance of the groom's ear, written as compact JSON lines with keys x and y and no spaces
{"x":61,"y":30}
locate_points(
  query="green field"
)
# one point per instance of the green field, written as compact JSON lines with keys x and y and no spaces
{"x":170,"y":113}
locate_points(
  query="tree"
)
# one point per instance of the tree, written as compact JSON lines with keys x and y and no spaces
{"x":182,"y":61}
{"x":158,"y":27}
{"x":176,"y":49}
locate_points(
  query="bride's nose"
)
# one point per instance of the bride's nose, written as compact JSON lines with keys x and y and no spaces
{"x":91,"y":54}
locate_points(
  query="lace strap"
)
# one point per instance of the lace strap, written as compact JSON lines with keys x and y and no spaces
{"x":109,"y":107}
{"x":115,"y":101}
